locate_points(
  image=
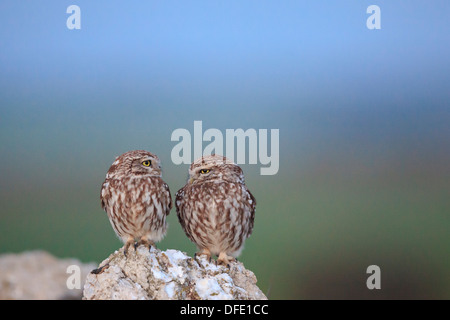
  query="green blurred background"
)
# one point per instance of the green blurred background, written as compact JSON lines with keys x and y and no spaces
{"x":363,"y":118}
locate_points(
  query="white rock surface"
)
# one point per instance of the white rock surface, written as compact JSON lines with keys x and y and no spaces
{"x":169,"y":275}
{"x":37,"y":275}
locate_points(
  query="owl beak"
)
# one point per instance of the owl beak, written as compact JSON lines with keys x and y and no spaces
{"x":191,"y":180}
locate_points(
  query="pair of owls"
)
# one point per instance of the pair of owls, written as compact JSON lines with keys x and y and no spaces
{"x":214,"y":208}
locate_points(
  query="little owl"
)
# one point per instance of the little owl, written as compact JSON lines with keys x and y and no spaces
{"x":136,"y":199}
{"x":215,"y":208}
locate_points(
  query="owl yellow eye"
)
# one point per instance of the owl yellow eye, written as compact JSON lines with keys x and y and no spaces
{"x":146,"y":163}
{"x":203,"y":171}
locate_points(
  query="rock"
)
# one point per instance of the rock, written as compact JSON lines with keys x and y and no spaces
{"x":37,"y":275}
{"x":169,"y":275}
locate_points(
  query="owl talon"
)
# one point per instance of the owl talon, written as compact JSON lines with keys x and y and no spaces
{"x":146,"y":243}
{"x":128,"y":244}
{"x":197,"y":258}
{"x":225,"y":259}
{"x":204,"y":252}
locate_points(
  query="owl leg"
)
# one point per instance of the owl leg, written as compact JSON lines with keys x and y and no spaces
{"x":205,"y":252}
{"x":129,"y":243}
{"x":145,"y":242}
{"x":225,"y":259}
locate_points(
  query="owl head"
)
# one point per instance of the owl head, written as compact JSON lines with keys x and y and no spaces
{"x":137,"y":162}
{"x":214,"y":168}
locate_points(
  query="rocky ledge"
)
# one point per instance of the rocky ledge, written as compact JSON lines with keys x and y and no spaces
{"x":38,"y":275}
{"x":169,"y":275}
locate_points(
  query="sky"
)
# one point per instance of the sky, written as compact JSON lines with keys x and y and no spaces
{"x":296,"y":66}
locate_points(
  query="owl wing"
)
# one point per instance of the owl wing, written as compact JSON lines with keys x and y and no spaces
{"x":179,"y":205}
{"x":185,"y":200}
{"x":237,"y":206}
{"x":251,"y":205}
{"x":104,"y":194}
{"x":162,"y":190}
{"x":167,"y":190}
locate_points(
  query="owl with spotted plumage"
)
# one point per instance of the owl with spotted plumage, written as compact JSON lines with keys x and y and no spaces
{"x":215,"y":208}
{"x":136,"y":198}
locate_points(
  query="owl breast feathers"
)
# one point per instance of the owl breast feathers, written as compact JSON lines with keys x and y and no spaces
{"x":215,"y":208}
{"x":136,"y":198}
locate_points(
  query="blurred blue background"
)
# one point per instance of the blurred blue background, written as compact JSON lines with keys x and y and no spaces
{"x":363,"y":117}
